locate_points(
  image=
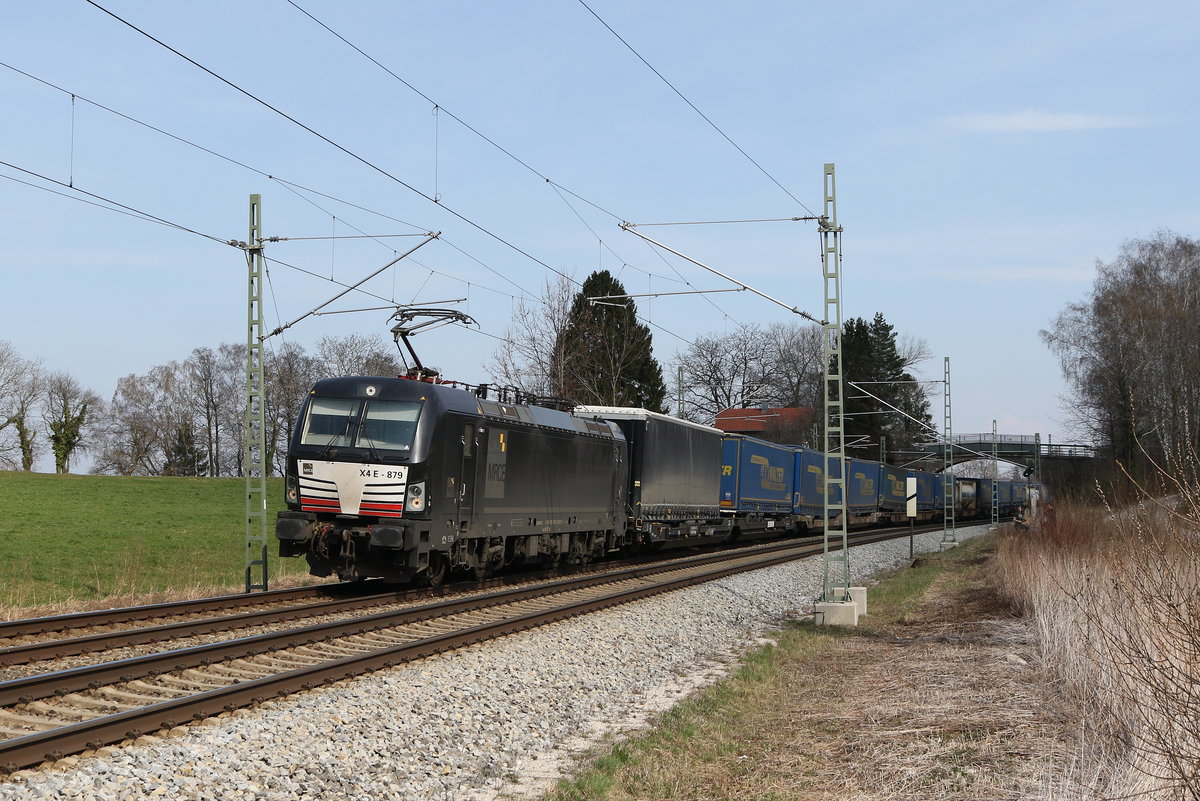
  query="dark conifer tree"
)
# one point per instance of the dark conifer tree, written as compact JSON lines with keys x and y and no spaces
{"x":870,"y":357}
{"x":604,"y":355}
{"x":183,"y":457}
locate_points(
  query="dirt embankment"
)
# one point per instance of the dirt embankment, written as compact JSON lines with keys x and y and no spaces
{"x":937,"y":695}
{"x":944,"y":702}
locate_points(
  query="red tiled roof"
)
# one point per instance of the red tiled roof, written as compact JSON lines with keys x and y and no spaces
{"x":750,"y":421}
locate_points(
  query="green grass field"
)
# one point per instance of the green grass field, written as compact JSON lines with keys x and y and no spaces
{"x":76,"y":538}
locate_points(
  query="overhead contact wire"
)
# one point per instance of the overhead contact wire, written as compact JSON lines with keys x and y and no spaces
{"x":299,"y":190}
{"x":120,"y":207}
{"x":703,"y":116}
{"x":286,"y":183}
{"x":440,"y":109}
{"x":332,"y":143}
{"x":355,"y":156}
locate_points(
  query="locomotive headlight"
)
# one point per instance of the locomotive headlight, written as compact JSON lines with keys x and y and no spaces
{"x":416,"y":497}
{"x":293,"y":492}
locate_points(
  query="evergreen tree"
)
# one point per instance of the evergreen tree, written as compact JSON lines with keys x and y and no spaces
{"x":183,"y":457}
{"x":870,"y":357}
{"x":604,"y":355}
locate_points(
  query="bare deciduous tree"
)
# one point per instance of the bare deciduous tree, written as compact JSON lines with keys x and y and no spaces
{"x":779,"y":366}
{"x":20,"y":385}
{"x":723,"y":371}
{"x":526,"y":359}
{"x":290,"y":375}
{"x":795,"y":364}
{"x":232,"y":358}
{"x":147,"y":419}
{"x":1130,"y":353}
{"x":129,"y":441}
{"x":214,"y":389}
{"x":70,"y":411}
{"x":356,"y":354}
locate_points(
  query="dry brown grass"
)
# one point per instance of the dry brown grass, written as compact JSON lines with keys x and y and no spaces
{"x":1115,"y":599}
{"x":946,"y":704}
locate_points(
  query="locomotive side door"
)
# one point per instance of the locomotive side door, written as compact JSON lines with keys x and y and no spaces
{"x":620,"y":486}
{"x":465,"y":503}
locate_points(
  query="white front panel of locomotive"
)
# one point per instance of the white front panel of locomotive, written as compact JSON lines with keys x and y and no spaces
{"x":351,"y":489}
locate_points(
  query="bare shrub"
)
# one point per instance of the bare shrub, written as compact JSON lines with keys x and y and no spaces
{"x":1115,"y":601}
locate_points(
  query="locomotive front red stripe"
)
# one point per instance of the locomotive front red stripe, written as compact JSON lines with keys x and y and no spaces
{"x":383,"y":509}
{"x":309,"y":504}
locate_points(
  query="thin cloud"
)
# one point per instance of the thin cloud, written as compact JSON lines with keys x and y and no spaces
{"x":1034,"y":121}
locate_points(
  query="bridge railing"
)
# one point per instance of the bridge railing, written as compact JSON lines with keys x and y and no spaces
{"x":1068,"y":450}
{"x":1025,"y":444}
{"x":1019,"y":439}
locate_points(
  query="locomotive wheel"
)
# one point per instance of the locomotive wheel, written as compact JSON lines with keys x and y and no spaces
{"x":482,"y":567}
{"x":439,"y":566}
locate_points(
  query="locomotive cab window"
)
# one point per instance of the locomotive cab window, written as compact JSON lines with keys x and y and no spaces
{"x":344,"y":422}
{"x":328,"y":422}
{"x":389,"y":425}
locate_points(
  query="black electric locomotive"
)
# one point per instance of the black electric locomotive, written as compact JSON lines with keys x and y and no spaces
{"x":407,"y":479}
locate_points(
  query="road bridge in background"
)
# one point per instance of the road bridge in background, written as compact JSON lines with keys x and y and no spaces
{"x":1019,"y":448}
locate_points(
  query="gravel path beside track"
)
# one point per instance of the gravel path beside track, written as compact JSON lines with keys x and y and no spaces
{"x":469,"y":723}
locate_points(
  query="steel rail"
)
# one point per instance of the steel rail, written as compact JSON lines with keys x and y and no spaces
{"x":11,"y":629}
{"x":52,"y":649}
{"x":101,"y":617}
{"x":344,"y":591}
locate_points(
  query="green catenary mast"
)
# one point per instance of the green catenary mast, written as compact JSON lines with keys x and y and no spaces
{"x":837,"y":562}
{"x":255,"y":462}
{"x":949,"y":539}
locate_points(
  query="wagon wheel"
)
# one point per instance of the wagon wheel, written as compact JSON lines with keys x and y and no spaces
{"x":550,"y":561}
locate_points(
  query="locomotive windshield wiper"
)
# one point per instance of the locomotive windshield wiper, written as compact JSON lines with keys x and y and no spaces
{"x":371,"y":452}
{"x":329,"y":449}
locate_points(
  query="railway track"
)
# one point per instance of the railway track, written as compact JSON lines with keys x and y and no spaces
{"x":39,"y":639}
{"x":23,"y":653}
{"x":19,"y":632}
{"x":33,"y":640}
{"x":16,"y":634}
{"x":47,"y":716}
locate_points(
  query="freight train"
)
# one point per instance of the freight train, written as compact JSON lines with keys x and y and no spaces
{"x":410,"y":479}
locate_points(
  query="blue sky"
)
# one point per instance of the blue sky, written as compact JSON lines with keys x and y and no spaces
{"x":986,"y":157}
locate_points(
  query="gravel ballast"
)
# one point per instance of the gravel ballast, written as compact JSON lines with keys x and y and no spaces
{"x":468,"y":723}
